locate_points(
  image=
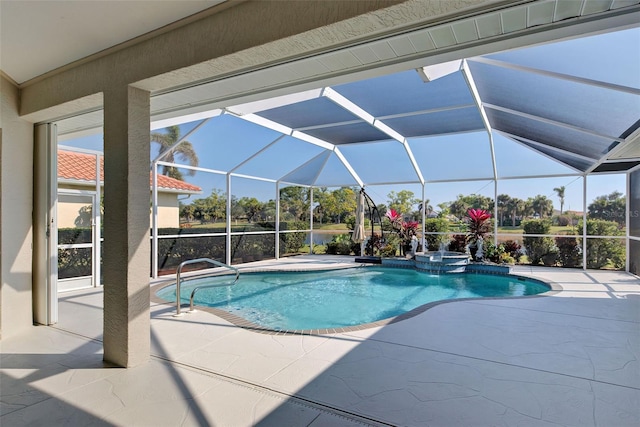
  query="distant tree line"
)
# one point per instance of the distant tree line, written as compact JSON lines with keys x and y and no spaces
{"x":339,"y":205}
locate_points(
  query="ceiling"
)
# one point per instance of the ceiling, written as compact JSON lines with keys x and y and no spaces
{"x":382,"y":96}
{"x":40,"y":36}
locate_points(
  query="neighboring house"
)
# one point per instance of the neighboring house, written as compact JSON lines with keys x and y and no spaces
{"x":77,"y":172}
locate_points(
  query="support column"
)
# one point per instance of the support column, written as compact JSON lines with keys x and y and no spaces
{"x":126,"y":226}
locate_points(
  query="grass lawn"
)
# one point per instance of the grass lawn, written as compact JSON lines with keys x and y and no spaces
{"x":555,"y":229}
{"x":330,"y":227}
{"x":344,"y":229}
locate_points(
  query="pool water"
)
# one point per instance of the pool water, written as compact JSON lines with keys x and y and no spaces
{"x":342,"y":298}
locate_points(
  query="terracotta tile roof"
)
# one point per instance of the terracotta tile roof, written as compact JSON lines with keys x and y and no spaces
{"x":82,"y":167}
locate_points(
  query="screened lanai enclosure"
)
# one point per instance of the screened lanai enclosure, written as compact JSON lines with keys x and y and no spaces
{"x":559,"y":121}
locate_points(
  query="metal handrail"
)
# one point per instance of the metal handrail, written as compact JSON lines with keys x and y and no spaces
{"x":196,"y":261}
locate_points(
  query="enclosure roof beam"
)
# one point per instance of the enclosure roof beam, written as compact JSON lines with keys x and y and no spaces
{"x":371,"y":120}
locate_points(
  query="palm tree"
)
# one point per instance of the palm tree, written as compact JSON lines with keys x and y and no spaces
{"x":515,"y":206}
{"x":184,"y":151}
{"x":560,"y":192}
{"x":542,"y":206}
{"x":503,"y":202}
{"x":428,"y":209}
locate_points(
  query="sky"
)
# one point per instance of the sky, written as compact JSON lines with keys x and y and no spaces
{"x":225,"y":142}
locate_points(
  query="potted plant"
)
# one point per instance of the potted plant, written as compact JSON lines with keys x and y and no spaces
{"x":478,"y":227}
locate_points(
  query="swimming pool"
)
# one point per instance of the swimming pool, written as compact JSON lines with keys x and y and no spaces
{"x":296,"y":301}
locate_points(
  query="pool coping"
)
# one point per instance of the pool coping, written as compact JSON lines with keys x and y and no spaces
{"x":554,"y":289}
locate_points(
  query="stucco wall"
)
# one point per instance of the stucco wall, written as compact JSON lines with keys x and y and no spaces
{"x":69,"y":208}
{"x":168,"y":211}
{"x":16,"y":170}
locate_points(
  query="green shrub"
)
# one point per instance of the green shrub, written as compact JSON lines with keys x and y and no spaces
{"x":291,"y":243}
{"x":513,"y":250}
{"x":340,"y":245}
{"x":508,"y":259}
{"x":562,"y":220}
{"x":435,"y":225}
{"x":375,"y":243}
{"x":390,"y":248}
{"x":68,"y":236}
{"x":75,"y":262}
{"x":569,"y":251}
{"x":173,"y":251}
{"x":494,"y":253}
{"x":550,"y":258}
{"x":603,"y":252}
{"x":537,"y":247}
{"x":458,"y":243}
{"x":319,"y":249}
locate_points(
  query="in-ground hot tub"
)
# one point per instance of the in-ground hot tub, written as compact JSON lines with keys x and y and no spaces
{"x":432,"y":262}
{"x":442,"y":262}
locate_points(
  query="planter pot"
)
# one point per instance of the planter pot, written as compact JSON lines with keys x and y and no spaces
{"x":549,"y":260}
{"x":473,"y":249}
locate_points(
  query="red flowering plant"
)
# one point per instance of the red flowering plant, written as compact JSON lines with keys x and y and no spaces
{"x":404,"y":229}
{"x":478,"y":225}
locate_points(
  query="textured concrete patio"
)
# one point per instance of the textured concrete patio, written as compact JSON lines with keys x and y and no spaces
{"x":569,"y":359}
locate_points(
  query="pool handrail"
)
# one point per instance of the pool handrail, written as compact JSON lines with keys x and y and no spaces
{"x":197,"y":261}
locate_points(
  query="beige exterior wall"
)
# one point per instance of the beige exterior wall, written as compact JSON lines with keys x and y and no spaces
{"x":16,"y":205}
{"x":168,"y":210}
{"x":69,"y":208}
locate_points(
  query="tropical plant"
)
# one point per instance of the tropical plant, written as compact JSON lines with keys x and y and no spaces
{"x":458,"y":243}
{"x":404,"y":229}
{"x":542,"y":206}
{"x":560,"y":192}
{"x":513,"y":249}
{"x":528,"y":209}
{"x":516,"y":208}
{"x":427,"y":207}
{"x":503,"y":203}
{"x":478,"y":225}
{"x":495,"y":253}
{"x":374,"y":244}
{"x":184,"y":151}
{"x":393,"y":216}
{"x":390,"y":248}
